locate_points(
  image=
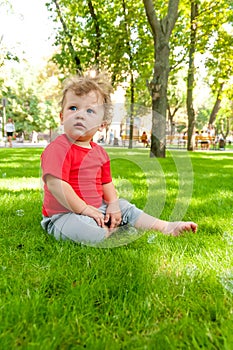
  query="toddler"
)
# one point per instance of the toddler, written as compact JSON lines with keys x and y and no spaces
{"x":80,"y":201}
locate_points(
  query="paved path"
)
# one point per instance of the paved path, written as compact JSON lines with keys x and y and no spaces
{"x":24,"y":145}
{"x":27,"y":144}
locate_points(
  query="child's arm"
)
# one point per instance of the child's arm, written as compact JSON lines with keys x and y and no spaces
{"x":113,"y":213}
{"x":67,"y":197}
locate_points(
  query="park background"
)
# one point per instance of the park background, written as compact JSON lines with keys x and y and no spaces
{"x":154,"y":292}
{"x":170,"y":64}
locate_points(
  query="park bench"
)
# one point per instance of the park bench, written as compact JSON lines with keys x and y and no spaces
{"x":170,"y":139}
{"x":181,"y":141}
{"x":176,"y":140}
{"x":205,"y":141}
{"x":125,"y":138}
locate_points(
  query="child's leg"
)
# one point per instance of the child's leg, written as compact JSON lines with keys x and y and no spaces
{"x":148,"y":222}
{"x":75,"y":227}
{"x":137,"y":218}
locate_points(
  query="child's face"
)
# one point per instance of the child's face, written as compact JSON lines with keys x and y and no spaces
{"x":83,"y":115}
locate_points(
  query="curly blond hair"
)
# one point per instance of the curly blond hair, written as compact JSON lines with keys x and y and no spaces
{"x":82,"y":85}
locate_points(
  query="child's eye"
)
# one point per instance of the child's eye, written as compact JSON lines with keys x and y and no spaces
{"x":90,"y":111}
{"x":73,"y":108}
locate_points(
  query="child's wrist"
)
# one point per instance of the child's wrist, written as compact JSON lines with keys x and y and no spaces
{"x":83,"y":209}
{"x":113,"y":206}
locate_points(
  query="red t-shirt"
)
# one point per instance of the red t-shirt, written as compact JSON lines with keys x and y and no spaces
{"x":86,"y":170}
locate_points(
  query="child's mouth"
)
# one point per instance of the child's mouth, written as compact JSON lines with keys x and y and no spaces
{"x":79,"y":125}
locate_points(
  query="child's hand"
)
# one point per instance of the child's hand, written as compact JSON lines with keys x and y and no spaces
{"x":95,"y":214}
{"x":114,"y":219}
{"x":113,"y":215}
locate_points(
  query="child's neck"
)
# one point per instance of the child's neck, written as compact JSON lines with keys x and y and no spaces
{"x":84,"y":144}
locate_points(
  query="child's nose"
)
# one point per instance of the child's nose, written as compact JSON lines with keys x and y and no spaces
{"x":80,"y":113}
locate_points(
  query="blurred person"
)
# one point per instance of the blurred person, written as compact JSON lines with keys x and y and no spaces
{"x":111,"y":137}
{"x":144,"y":139}
{"x":34,"y":136}
{"x":10,"y":129}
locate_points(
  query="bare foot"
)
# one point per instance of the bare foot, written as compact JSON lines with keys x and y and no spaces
{"x":178,"y":227}
{"x":110,"y":231}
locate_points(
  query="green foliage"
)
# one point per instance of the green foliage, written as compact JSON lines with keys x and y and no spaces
{"x":32,"y":102}
{"x":216,"y":41}
{"x":108,"y":39}
{"x":202,"y":117}
{"x":116,"y":36}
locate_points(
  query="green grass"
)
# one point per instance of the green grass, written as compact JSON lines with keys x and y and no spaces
{"x":172,"y":293}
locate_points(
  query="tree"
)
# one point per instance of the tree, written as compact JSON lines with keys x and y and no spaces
{"x":134,"y":40}
{"x":219,"y":65}
{"x":65,"y":38}
{"x":191,"y":72}
{"x":107,"y":37}
{"x":33,"y":99}
{"x":209,"y":37}
{"x":161,"y":31}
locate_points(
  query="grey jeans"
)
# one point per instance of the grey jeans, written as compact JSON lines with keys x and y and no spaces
{"x":81,"y":228}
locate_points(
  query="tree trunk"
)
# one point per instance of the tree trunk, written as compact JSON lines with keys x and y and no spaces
{"x":190,"y":80}
{"x":131,"y":127}
{"x":171,"y":116}
{"x":161,"y":31}
{"x":217,"y":106}
{"x":129,"y":51}
{"x":159,"y":101}
{"x":97,"y":32}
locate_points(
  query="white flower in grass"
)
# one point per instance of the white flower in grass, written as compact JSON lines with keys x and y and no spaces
{"x":226,"y":281}
{"x":228,"y":238}
{"x":20,"y":212}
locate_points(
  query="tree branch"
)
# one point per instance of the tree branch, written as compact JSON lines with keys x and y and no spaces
{"x":97,"y":31}
{"x":152,"y":18}
{"x":69,"y":36}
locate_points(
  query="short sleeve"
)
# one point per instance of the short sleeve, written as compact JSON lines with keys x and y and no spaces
{"x":55,"y":161}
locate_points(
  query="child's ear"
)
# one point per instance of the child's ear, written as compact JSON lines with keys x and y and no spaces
{"x":61,"y":118}
{"x":102,"y":126}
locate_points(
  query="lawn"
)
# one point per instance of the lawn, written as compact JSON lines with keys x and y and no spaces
{"x":156,"y":292}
